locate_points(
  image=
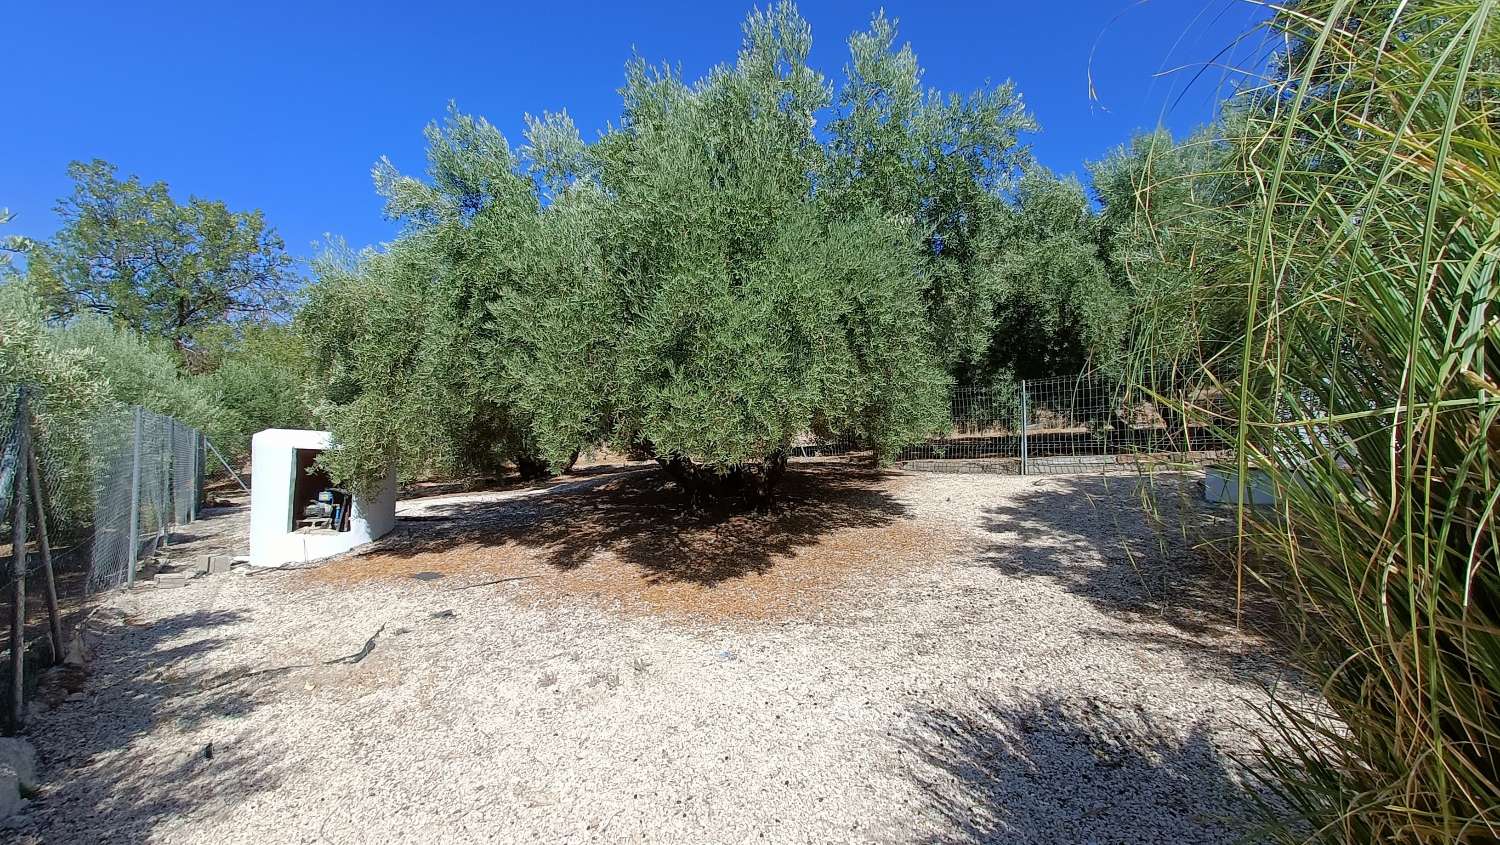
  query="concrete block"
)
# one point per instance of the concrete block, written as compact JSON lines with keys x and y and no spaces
{"x":10,"y":792}
{"x":218,"y":564}
{"x":18,"y":755}
{"x":172,"y":579}
{"x":1221,"y":485}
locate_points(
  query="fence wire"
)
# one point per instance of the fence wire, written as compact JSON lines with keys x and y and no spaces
{"x":116,"y":481}
{"x":186,"y":479}
{"x":114,"y":449}
{"x":1059,"y":425}
{"x":112,"y":482}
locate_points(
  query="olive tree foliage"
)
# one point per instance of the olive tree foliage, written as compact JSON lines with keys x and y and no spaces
{"x":742,"y":307}
{"x":411,"y":364}
{"x":1167,"y":227}
{"x":82,"y":376}
{"x":688,"y":281}
{"x":945,"y":164}
{"x":1056,"y":307}
{"x":257,"y":375}
{"x":9,"y":244}
{"x":68,"y":390}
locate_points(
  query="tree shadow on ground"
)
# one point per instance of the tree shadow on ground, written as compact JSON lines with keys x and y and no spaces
{"x":1132,"y":547}
{"x":643,"y":518}
{"x":511,"y":480}
{"x":103,"y":776}
{"x":1050,"y":770}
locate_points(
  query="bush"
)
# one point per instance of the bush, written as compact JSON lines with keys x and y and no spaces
{"x":68,"y":392}
{"x":81,"y":376}
{"x":258,"y":379}
{"x":137,"y":371}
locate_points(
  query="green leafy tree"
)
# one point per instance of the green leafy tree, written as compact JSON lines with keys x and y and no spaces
{"x":945,"y":164}
{"x":686,"y":283}
{"x":129,"y":252}
{"x":140,"y":371}
{"x":1057,"y":310}
{"x":742,"y":306}
{"x":9,"y":244}
{"x":412,"y":364}
{"x":1166,"y":228}
{"x":82,"y":376}
{"x":258,"y":377}
{"x":68,"y":389}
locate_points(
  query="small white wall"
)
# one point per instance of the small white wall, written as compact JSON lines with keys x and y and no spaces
{"x":1221,"y":485}
{"x":273,"y":461}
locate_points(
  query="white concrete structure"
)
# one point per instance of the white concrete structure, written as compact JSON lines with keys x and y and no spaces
{"x":282,"y":487}
{"x":1221,"y":485}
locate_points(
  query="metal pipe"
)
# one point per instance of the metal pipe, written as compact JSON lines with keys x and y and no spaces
{"x":49,"y":580}
{"x":133,"y":531}
{"x":18,"y":574}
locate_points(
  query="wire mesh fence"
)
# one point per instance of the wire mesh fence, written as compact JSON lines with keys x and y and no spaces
{"x":115,"y":482}
{"x":88,"y":492}
{"x":1058,"y":425}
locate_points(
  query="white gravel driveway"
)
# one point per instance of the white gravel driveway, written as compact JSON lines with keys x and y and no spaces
{"x":1048,"y":673}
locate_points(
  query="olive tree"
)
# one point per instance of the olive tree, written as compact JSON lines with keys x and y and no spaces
{"x":690,"y":280}
{"x":740,"y":306}
{"x":416,"y":349}
{"x":946,"y":164}
{"x":1167,"y":228}
{"x":1057,"y":310}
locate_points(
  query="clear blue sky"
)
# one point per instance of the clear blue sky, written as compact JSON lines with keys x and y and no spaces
{"x":285,"y":106}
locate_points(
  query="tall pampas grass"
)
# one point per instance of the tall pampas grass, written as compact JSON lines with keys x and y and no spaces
{"x":1363,"y":380}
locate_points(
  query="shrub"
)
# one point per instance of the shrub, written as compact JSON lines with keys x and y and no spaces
{"x":258,"y":380}
{"x":68,"y":391}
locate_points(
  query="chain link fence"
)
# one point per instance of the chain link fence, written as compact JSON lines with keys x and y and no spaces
{"x":1059,"y":425}
{"x":115,"y":481}
{"x":88,"y":492}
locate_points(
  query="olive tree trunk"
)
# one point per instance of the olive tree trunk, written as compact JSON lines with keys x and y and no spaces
{"x":751,"y":484}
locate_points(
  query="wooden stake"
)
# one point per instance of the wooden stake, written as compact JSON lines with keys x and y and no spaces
{"x":49,"y":581}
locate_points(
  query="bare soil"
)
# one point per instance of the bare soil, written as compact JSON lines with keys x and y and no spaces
{"x":625,"y":542}
{"x":884,"y":657}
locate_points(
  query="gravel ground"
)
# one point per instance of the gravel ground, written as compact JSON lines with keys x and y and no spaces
{"x":1052,"y":671}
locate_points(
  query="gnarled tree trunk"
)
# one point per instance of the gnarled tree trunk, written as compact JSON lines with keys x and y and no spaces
{"x":750,"y":484}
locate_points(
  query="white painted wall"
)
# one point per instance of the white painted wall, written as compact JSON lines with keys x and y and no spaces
{"x":273,"y":461}
{"x":1221,"y":485}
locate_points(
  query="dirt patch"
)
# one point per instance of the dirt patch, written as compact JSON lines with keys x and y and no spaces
{"x":1064,"y":679}
{"x":627,"y":543}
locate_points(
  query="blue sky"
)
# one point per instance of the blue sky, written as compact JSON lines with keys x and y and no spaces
{"x":285,"y":106}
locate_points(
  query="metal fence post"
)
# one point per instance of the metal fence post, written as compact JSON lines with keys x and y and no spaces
{"x":197,"y":471}
{"x":1024,"y":412}
{"x":166,"y":513}
{"x":18,"y":571}
{"x":133,"y":532}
